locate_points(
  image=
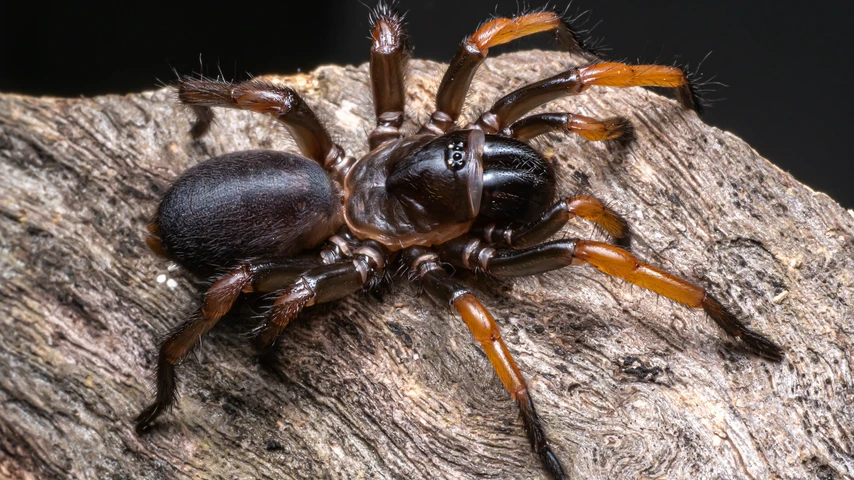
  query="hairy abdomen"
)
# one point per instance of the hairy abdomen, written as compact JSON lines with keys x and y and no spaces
{"x":243,"y":207}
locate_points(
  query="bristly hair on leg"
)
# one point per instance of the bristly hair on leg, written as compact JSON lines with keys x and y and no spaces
{"x":577,"y":39}
{"x":539,"y":443}
{"x":389,"y":10}
{"x":624,"y":127}
{"x":694,"y":94}
{"x":751,"y":340}
{"x":624,"y":242}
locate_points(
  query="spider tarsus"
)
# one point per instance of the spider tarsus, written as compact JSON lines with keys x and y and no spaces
{"x":204,"y":119}
{"x":761,"y":346}
{"x":624,"y":242}
{"x":688,"y":94}
{"x":752,"y":341}
{"x":537,"y":436}
{"x":165,"y":396}
{"x":624,"y":129}
{"x":689,"y":98}
{"x":146,"y":418}
{"x":576,"y":40}
{"x":552,"y":464}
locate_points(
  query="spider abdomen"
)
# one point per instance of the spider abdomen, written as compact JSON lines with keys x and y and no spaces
{"x":246,"y":206}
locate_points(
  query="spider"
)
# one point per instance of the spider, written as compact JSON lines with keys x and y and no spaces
{"x":317,"y":227}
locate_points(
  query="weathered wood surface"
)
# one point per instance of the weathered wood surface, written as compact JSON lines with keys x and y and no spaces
{"x":629,"y":385}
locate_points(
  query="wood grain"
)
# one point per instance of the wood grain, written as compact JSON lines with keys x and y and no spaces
{"x":392,"y":386}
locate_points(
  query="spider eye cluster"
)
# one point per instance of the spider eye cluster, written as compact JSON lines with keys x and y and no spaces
{"x":455,"y":155}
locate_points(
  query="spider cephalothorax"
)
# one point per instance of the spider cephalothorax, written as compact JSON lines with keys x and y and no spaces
{"x":318,"y":227}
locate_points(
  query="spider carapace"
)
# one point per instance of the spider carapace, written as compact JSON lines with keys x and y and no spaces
{"x":320,"y":226}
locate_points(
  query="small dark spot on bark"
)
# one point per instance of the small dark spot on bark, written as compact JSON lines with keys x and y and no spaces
{"x":135,"y":193}
{"x":232,"y":404}
{"x":674,"y":199}
{"x":822,"y":470}
{"x":5,"y":142}
{"x":398,"y":330}
{"x":582,"y":177}
{"x":35,"y":231}
{"x":635,"y":367}
{"x":273,"y":445}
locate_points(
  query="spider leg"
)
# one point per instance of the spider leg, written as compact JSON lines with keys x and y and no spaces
{"x":614,"y":128}
{"x":282,"y":103}
{"x":218,"y":300}
{"x":457,"y":80}
{"x":513,"y":106}
{"x":389,"y":53}
{"x":583,"y":206}
{"x":480,"y":322}
{"x":613,"y":261}
{"x":320,"y":285}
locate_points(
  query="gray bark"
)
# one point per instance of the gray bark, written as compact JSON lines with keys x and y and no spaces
{"x":628,"y":385}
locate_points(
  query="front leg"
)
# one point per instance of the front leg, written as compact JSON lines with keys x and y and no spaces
{"x":480,"y":322}
{"x":457,"y":80}
{"x":613,"y":261}
{"x":576,"y":80}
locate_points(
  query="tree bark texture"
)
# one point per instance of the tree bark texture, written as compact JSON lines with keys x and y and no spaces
{"x":629,"y":385}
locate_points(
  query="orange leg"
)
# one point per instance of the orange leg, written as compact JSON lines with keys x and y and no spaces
{"x":620,"y":263}
{"x":514,"y":106}
{"x":615,"y":128}
{"x":614,"y":74}
{"x":484,"y":329}
{"x":482,"y":325}
{"x":614,"y":261}
{"x":455,"y":84}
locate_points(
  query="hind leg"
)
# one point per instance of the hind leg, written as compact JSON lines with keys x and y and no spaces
{"x":218,"y":300}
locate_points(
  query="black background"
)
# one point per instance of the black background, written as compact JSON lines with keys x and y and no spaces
{"x":787,"y":66}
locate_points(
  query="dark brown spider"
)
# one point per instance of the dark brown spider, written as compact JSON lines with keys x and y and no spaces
{"x":478,"y":198}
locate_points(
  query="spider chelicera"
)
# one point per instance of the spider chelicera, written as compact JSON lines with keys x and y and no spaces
{"x":321,"y":226}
